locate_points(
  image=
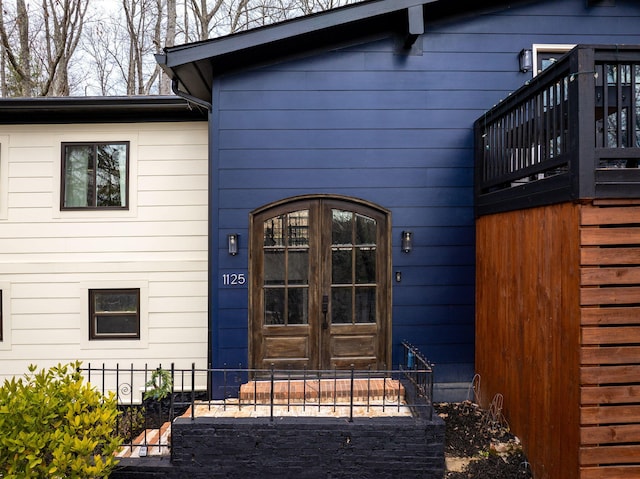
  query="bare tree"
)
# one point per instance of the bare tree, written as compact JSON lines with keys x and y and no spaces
{"x":40,"y":40}
{"x":63,"y":21}
{"x":169,"y":41}
{"x":16,"y":48}
{"x":39,"y":45}
{"x":204,"y":14}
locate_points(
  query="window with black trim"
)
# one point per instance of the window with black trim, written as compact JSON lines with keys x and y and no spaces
{"x":114,"y":313}
{"x":95,"y":175}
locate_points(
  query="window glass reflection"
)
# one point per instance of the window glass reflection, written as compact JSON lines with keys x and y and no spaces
{"x":341,"y":305}
{"x":297,"y":306}
{"x":365,"y":230}
{"x":365,"y":265}
{"x":342,"y":227}
{"x":365,"y":305}
{"x":341,"y":266}
{"x":274,"y":306}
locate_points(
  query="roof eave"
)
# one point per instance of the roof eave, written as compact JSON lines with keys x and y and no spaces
{"x":125,"y":109}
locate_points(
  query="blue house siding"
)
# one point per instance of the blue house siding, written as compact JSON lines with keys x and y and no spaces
{"x":393,"y":129}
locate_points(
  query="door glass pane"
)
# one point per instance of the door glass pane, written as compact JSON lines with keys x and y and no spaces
{"x":274,"y":306}
{"x":341,"y":305}
{"x":341,"y":266}
{"x":298,"y":266}
{"x":273,"y":229}
{"x":286,"y":264}
{"x":365,"y":265}
{"x":365,"y":230}
{"x":274,"y":272}
{"x":342,"y":227}
{"x":298,"y":228}
{"x":297,"y":306}
{"x":365,"y":305}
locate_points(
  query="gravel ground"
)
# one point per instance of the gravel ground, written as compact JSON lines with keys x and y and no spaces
{"x":479,"y":445}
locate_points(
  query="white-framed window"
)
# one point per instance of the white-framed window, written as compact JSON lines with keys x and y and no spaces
{"x":545,"y":55}
{"x":95,"y":175}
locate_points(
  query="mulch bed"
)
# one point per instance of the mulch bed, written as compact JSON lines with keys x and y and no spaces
{"x":475,"y":435}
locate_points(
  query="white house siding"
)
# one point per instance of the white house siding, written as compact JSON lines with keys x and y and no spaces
{"x":50,"y":258}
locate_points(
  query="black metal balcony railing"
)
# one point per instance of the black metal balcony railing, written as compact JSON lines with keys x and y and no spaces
{"x":409,"y":387}
{"x":573,"y":132}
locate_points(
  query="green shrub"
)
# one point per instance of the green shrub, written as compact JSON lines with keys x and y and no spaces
{"x":53,"y":425}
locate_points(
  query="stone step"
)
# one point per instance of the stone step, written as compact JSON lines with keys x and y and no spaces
{"x":150,"y":442}
{"x":328,"y":390}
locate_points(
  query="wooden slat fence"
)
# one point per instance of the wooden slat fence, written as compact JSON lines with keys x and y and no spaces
{"x":610,"y":342}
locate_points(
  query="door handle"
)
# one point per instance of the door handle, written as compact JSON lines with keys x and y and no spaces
{"x":325,"y":310}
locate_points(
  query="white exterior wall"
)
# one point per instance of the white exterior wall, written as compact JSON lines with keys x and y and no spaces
{"x":49,"y":258}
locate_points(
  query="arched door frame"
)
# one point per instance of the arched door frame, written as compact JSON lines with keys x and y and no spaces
{"x":318,"y":205}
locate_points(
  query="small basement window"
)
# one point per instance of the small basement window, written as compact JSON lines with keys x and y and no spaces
{"x":95,"y":175}
{"x":114,"y":314}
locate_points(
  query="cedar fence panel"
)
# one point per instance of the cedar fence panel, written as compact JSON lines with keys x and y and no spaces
{"x":610,"y":342}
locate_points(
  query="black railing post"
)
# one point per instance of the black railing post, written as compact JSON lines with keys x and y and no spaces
{"x":103,"y":390}
{"x":173,"y":385}
{"x":304,"y":388}
{"x":271,"y":393}
{"x":351,"y":393}
{"x":224,"y":388}
{"x":193,"y":391}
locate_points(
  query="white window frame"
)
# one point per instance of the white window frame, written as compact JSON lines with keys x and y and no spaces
{"x":538,"y":48}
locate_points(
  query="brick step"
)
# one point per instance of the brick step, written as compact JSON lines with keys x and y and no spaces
{"x":328,"y":390}
{"x":150,"y":442}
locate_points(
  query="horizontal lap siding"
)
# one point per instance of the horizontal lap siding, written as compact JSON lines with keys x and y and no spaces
{"x":394,"y":129}
{"x":49,"y":258}
{"x":366,"y":123}
{"x":527,"y":320}
{"x":610,"y":353}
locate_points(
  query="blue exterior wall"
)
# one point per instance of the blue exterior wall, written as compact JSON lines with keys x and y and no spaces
{"x":394,"y":129}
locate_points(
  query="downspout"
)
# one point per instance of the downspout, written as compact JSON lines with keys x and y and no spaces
{"x":209,"y":107}
{"x":186,"y":96}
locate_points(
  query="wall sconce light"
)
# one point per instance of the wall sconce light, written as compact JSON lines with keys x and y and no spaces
{"x":232,"y":240}
{"x":407,"y":241}
{"x":526,"y":60}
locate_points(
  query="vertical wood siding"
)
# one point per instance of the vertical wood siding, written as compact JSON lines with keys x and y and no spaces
{"x":528,"y":329}
{"x":48,"y":257}
{"x":610,"y":332}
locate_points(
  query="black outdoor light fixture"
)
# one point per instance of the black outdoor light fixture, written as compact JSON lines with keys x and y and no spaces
{"x":407,"y":241}
{"x":526,"y":60}
{"x":232,"y":240}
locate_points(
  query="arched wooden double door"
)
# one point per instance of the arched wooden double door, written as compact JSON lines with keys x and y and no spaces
{"x":320,"y":293}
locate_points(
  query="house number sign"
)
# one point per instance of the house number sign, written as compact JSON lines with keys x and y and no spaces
{"x":234,"y":279}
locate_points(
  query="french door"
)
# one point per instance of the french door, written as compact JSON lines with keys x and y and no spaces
{"x":320,"y":289}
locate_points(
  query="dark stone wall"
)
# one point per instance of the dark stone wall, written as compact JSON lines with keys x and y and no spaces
{"x":298,"y":447}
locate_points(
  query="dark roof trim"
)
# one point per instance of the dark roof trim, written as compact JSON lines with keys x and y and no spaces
{"x":194,"y":65}
{"x":359,"y":12}
{"x":130,"y":109}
